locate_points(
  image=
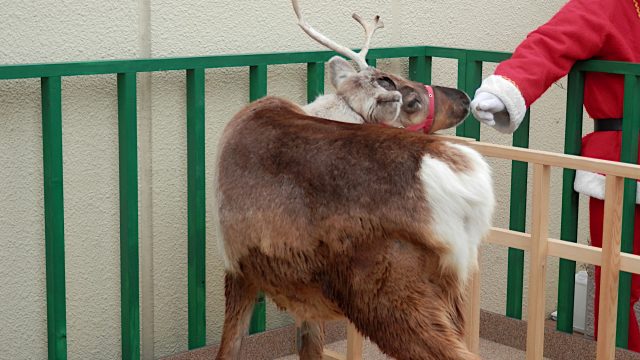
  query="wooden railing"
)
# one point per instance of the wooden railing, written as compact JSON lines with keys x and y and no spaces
{"x":540,"y":246}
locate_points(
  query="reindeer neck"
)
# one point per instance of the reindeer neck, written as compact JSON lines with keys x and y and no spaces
{"x":333,"y":107}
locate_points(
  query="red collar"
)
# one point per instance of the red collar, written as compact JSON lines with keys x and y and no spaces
{"x":425,"y":126}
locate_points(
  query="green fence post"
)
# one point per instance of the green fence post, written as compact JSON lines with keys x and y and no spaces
{"x":373,"y":62}
{"x":517,"y":222}
{"x":54,"y":217}
{"x":315,"y":80}
{"x":469,"y":79}
{"x":196,"y":207}
{"x":569,"y":219}
{"x":420,"y":69}
{"x":258,"y":89}
{"x":129,"y":262}
{"x":473,"y":79}
{"x":462,"y":85}
{"x":630,"y":129}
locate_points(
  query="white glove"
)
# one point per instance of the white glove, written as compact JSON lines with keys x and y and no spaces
{"x":490,"y":110}
{"x":485,"y":106}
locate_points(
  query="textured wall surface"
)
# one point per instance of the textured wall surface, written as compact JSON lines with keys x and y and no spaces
{"x":48,"y":31}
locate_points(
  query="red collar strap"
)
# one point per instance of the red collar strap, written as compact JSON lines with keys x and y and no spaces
{"x":425,"y":126}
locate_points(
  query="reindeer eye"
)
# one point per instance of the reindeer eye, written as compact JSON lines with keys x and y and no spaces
{"x":386,"y":83}
{"x":413,"y":104}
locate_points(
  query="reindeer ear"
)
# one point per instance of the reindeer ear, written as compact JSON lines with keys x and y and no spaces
{"x":339,"y":70}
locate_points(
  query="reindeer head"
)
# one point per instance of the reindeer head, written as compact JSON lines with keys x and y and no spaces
{"x":383,"y":98}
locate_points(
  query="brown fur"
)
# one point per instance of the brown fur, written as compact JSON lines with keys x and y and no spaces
{"x":329,"y":220}
{"x":451,"y":107}
{"x":239,"y":298}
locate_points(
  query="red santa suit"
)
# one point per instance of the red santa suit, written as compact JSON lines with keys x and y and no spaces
{"x":582,"y":29}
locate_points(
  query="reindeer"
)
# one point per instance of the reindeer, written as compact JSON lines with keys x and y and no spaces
{"x":351,"y":217}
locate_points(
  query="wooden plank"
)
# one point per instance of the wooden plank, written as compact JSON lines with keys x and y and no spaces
{"x":538,"y":262}
{"x":558,"y":160}
{"x":562,"y":249}
{"x":354,"y":343}
{"x":509,"y":238}
{"x":591,"y":255}
{"x":472,"y":315}
{"x":611,"y":238}
{"x":332,"y":355}
{"x":454,"y":138}
{"x":630,"y":171}
{"x":575,"y":252}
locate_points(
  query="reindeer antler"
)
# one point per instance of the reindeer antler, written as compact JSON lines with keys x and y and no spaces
{"x":369,"y":29}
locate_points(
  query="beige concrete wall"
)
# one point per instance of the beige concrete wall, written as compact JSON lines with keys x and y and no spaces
{"x":48,"y":31}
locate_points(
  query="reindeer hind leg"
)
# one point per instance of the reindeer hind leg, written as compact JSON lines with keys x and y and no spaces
{"x":311,"y":340}
{"x":239,"y":299}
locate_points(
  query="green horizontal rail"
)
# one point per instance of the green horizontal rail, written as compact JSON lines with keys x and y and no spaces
{"x":21,"y":71}
{"x":183,"y":63}
{"x":196,"y":204}
{"x":129,"y":262}
{"x":54,"y":217}
{"x":487,"y":56}
{"x":612,"y":67}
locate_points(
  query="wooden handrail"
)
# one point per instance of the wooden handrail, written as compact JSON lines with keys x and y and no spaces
{"x":561,"y":249}
{"x":607,"y":167}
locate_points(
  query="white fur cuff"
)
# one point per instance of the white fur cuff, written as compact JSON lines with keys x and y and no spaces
{"x":592,"y":184}
{"x":510,"y":96}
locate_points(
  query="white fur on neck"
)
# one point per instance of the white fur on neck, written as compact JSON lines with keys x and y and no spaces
{"x":333,"y":107}
{"x":461,"y":205}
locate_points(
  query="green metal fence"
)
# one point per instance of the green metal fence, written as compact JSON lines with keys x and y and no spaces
{"x":420,"y":64}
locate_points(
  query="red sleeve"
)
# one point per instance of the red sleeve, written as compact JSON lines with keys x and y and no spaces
{"x":576,"y":32}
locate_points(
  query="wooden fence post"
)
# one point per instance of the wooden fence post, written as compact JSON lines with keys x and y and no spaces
{"x":538,"y":262}
{"x":472,"y":316}
{"x":610,"y":277}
